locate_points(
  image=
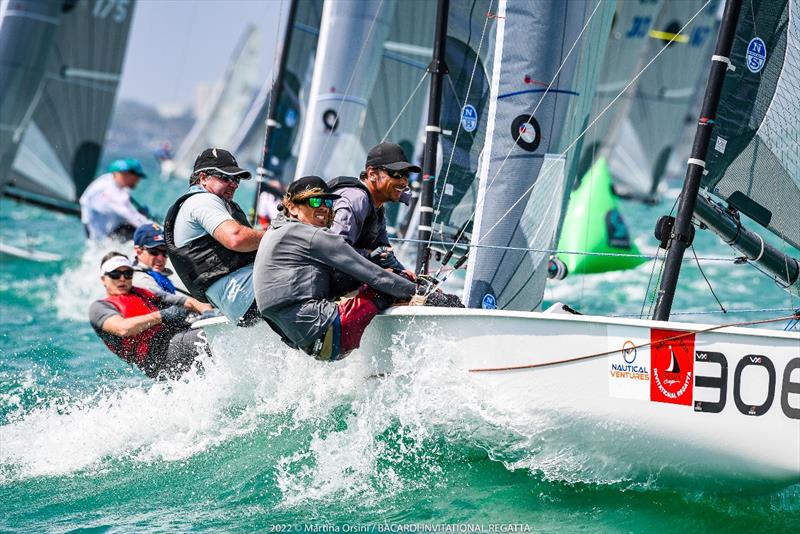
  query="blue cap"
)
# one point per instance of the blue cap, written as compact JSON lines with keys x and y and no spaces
{"x":127,"y":165}
{"x":149,"y":235}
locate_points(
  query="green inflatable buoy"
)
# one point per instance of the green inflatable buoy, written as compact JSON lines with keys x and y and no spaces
{"x":595,"y":224}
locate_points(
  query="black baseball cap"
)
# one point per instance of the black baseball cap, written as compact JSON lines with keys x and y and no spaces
{"x":213,"y":160}
{"x":307,"y":183}
{"x":390,"y":156}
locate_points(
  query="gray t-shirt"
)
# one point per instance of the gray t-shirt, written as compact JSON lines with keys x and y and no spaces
{"x":200,"y":215}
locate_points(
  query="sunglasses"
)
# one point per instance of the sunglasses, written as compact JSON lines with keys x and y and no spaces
{"x":225,"y":178}
{"x":156,"y":251}
{"x":116,"y":275}
{"x":396,"y":175}
{"x":316,"y":202}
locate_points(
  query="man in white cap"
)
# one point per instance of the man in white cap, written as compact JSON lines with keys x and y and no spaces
{"x":107,"y":210}
{"x":209,"y":240}
{"x":144,"y":328}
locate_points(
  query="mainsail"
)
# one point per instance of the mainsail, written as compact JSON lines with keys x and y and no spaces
{"x":754,"y":158}
{"x":27,"y":29}
{"x":349,"y":53}
{"x":664,"y":96}
{"x":61,"y":146}
{"x":248,"y":142}
{"x":547,"y":55}
{"x":228,"y":104}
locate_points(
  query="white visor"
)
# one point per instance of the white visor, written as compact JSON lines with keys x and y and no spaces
{"x":114,"y":263}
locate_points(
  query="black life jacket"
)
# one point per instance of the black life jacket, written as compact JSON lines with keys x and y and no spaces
{"x":204,"y":260}
{"x":374,"y":222}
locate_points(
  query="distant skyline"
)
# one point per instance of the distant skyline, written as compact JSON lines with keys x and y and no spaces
{"x":176,"y":44}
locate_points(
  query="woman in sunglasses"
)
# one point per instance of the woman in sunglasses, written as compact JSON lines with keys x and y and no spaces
{"x":295,"y":272}
{"x":142,"y":327}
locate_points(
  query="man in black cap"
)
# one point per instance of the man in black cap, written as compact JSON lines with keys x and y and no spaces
{"x":359,"y":215}
{"x":209,"y":239}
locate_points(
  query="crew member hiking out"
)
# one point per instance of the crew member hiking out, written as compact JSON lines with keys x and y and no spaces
{"x":150,"y":262}
{"x":294,"y":277}
{"x":359,"y":213}
{"x":144,"y":328}
{"x":209,"y":240}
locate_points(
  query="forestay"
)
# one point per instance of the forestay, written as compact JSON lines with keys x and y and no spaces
{"x":753,"y":160}
{"x":62,"y":144}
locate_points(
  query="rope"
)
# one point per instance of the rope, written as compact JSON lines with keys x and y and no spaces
{"x":609,"y":352}
{"x":551,"y":251}
{"x":709,"y":312}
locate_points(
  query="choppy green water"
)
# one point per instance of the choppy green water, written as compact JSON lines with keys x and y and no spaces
{"x":267,"y":438}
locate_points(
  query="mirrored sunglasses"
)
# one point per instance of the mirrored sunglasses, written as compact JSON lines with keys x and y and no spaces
{"x":116,"y":275}
{"x":316,"y":202}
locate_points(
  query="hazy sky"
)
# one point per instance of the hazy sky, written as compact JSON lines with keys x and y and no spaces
{"x":175,"y":44}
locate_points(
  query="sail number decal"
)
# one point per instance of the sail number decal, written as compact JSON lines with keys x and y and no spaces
{"x":639,"y":27}
{"x":116,"y":9}
{"x":669,"y":374}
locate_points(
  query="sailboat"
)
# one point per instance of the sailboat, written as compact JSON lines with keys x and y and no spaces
{"x":227,"y":105}
{"x":290,"y":94}
{"x":706,"y":401}
{"x":61,"y":134}
{"x":677,"y":399}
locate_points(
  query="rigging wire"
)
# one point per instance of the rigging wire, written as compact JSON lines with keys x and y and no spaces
{"x":408,"y":101}
{"x":694,"y":252}
{"x":273,"y":89}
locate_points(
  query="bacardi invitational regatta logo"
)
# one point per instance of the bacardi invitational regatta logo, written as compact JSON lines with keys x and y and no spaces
{"x":672,"y":366}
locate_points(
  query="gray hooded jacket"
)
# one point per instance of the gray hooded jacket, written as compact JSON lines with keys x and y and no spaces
{"x":293,"y":278}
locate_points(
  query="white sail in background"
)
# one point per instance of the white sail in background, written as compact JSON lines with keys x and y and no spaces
{"x":248,"y":142}
{"x":227,"y":106}
{"x":547,"y":57}
{"x":349,"y":53}
{"x":664,"y":95}
{"x":627,"y":43}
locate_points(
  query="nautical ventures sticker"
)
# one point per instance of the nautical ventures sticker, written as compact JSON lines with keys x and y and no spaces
{"x":756,"y":55}
{"x":489,"y":302}
{"x":469,"y":118}
{"x":672,"y":366}
{"x":628,"y":365}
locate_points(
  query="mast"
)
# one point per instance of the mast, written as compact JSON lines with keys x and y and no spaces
{"x":271,"y":122}
{"x":679,"y":238}
{"x":438,"y":69}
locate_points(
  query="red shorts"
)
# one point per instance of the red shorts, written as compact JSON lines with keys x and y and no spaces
{"x":344,"y":335}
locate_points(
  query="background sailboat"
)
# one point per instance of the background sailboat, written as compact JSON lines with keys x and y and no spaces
{"x":227,"y":105}
{"x":248,"y":142}
{"x":62,"y":144}
{"x":27,"y":30}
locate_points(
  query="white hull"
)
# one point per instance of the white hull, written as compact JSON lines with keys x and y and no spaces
{"x":605,"y":404}
{"x":618,"y":412}
{"x":28,"y":253}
